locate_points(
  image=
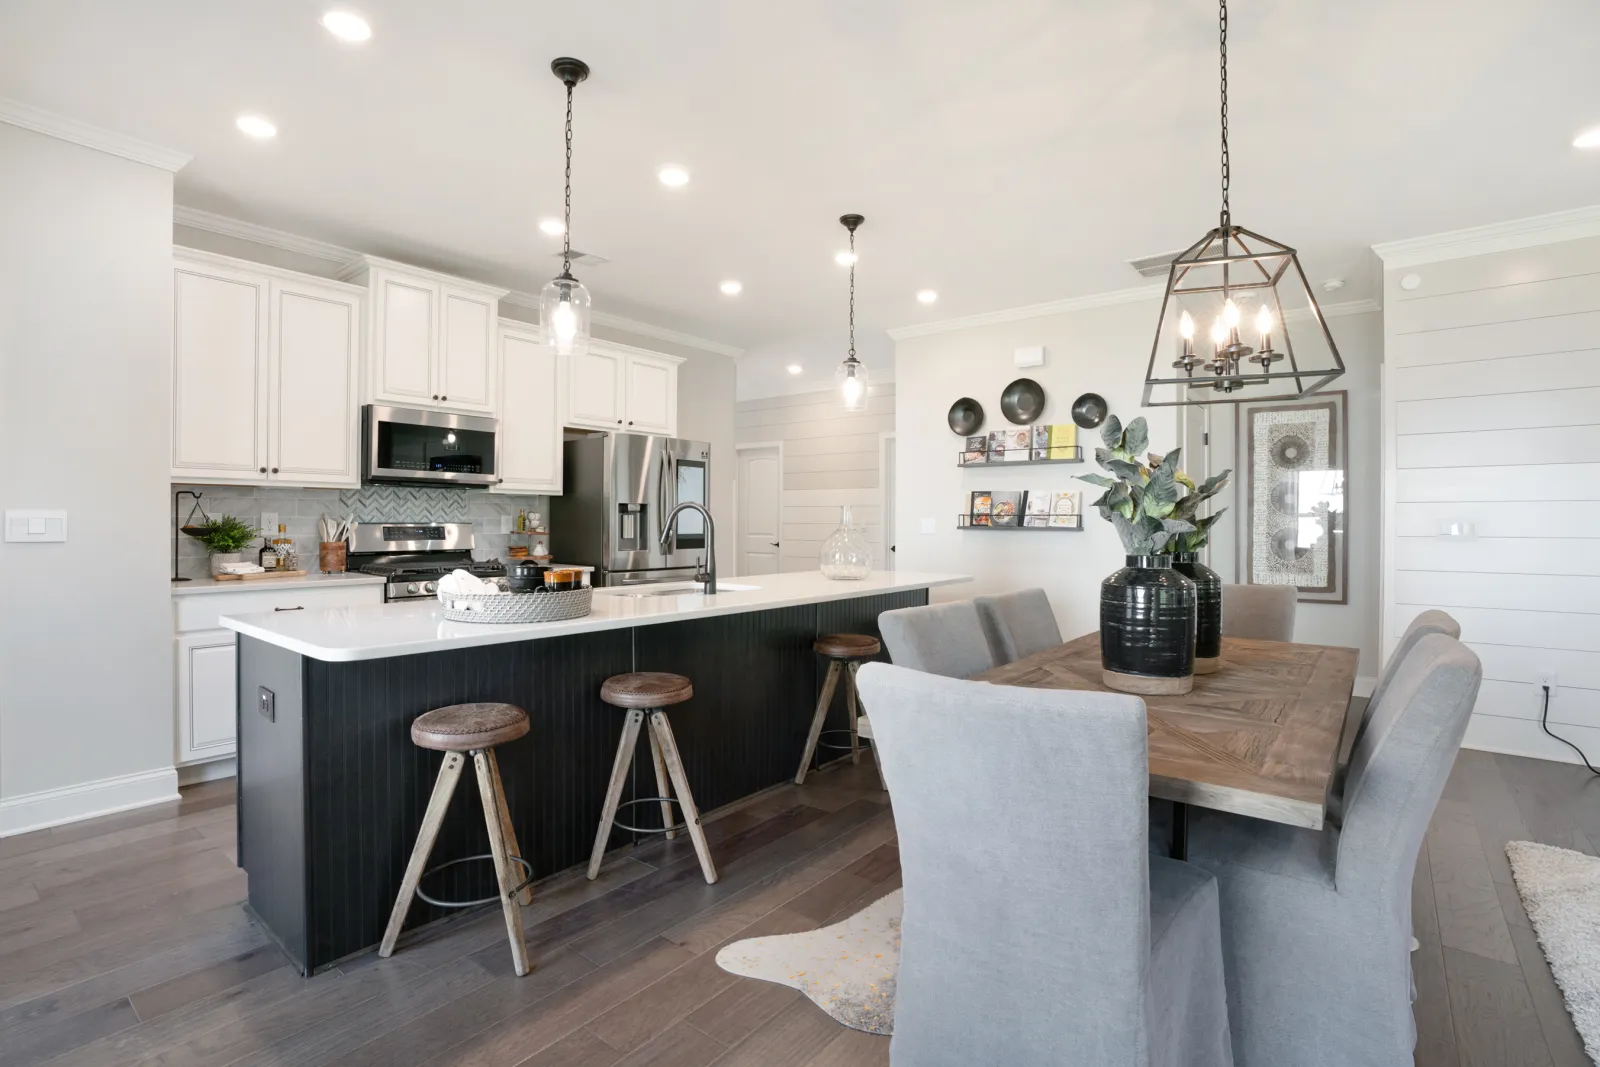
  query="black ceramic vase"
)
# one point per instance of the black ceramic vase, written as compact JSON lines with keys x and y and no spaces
{"x":1147,"y":625}
{"x":1208,"y":604}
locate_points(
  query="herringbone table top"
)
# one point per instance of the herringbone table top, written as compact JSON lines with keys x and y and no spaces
{"x":1260,"y":737}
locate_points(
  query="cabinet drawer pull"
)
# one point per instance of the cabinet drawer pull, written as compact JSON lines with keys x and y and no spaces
{"x":300,"y":607}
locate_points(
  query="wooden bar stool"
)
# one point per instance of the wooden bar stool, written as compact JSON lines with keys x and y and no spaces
{"x":646,"y":694}
{"x":457,"y":731}
{"x":845,"y":652}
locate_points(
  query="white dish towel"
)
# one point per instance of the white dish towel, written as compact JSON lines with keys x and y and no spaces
{"x":458,"y":582}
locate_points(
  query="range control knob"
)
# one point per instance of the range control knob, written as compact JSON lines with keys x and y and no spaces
{"x":430,"y":587}
{"x":411,"y":587}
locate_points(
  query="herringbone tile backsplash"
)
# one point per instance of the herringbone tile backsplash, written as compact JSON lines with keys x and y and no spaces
{"x":390,"y":503}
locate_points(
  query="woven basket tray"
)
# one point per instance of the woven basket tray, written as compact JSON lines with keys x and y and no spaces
{"x":517,"y":607}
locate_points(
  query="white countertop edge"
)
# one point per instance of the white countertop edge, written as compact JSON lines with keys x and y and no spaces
{"x":420,"y":627}
{"x":202,"y":586}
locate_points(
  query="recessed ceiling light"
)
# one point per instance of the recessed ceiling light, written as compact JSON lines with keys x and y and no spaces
{"x":926,"y":296}
{"x":347,"y":26}
{"x":844,"y":259}
{"x":1587,"y":139}
{"x":553,"y":227}
{"x":673,"y":175}
{"x":731,"y":287}
{"x":794,"y":368}
{"x":256,"y":126}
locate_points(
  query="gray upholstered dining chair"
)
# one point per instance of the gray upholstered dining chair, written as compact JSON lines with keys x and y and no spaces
{"x":1264,"y":612}
{"x":1428,"y":622}
{"x":1017,"y":624}
{"x":945,"y":639}
{"x":1036,"y":928}
{"x":1316,"y":925}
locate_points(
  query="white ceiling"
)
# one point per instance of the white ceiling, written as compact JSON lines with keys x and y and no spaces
{"x":1003,"y":153}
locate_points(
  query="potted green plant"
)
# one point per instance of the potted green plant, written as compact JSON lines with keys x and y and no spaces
{"x":1147,"y":609}
{"x":226,"y":538}
{"x":1207,"y":583}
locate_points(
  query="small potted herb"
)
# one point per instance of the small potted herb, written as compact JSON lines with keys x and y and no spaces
{"x":226,"y":539}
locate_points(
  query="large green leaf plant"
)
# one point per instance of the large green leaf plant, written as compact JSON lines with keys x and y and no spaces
{"x":1140,"y":501}
{"x":1188,"y":509}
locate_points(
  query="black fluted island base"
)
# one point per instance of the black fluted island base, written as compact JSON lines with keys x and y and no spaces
{"x":332,"y":791}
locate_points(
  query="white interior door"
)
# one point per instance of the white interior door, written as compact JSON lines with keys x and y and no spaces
{"x":888,"y":503}
{"x":760,"y":494}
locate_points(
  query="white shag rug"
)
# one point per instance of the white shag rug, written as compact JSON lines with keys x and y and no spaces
{"x":848,"y":969}
{"x":1560,"y":890}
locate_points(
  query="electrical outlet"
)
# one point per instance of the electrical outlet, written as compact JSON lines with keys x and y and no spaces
{"x":1546,"y":678}
{"x":505,"y":524}
{"x":269,"y":522}
{"x":1540,"y":681}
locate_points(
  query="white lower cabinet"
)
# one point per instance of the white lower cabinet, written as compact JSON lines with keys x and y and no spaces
{"x":207,"y":692}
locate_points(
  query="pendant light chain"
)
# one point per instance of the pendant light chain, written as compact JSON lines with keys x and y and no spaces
{"x":566,"y":218}
{"x":1222,"y":33}
{"x":852,"y":293}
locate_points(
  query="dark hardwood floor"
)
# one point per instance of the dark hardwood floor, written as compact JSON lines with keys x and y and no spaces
{"x":122,"y":942}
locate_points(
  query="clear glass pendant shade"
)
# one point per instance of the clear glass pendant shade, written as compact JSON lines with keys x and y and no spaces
{"x":851,"y":378}
{"x":846,"y":555}
{"x":564,"y":315}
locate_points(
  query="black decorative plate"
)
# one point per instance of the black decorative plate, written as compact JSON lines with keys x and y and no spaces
{"x":1089,"y":410}
{"x":1023,"y":401}
{"x":966,"y":416}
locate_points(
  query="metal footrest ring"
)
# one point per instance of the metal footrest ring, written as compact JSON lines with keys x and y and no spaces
{"x":845,"y":730}
{"x":518,"y":860}
{"x":618,"y":824}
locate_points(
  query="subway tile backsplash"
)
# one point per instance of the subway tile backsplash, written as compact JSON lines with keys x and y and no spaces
{"x":299,"y":509}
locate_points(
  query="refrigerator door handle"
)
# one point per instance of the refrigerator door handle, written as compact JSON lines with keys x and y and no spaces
{"x":661,"y":507}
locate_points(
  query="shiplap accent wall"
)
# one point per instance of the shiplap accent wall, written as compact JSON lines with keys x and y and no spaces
{"x":831,"y":457}
{"x":1492,"y":398}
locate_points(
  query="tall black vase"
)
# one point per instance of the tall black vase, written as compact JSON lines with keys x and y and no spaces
{"x":1208,"y":602}
{"x":1147,"y":624}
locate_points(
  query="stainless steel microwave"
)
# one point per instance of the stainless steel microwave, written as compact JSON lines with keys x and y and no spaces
{"x":413,"y":446}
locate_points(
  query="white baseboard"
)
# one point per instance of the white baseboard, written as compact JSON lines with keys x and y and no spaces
{"x":209,"y":771}
{"x":53,"y":807}
{"x":1365,"y":684}
{"x":1523,"y":737}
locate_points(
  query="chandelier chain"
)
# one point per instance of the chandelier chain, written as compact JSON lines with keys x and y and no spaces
{"x":566,"y":217}
{"x":1222,"y":48}
{"x":852,"y":293}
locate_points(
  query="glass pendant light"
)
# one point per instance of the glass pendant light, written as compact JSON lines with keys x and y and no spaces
{"x":564,"y":302}
{"x":852,"y":373}
{"x":1229,"y":277}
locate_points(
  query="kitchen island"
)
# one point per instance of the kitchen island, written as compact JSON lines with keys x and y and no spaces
{"x":332,"y":791}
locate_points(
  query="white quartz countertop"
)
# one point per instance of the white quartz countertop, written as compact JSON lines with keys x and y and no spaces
{"x":343,"y":635}
{"x":310,"y":581}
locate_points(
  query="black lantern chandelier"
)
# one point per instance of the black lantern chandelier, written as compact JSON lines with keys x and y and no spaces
{"x":564,"y":302}
{"x":1246,"y":287}
{"x":852,"y":373}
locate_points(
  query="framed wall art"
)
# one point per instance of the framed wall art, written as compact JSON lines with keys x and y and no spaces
{"x":1295,"y":497}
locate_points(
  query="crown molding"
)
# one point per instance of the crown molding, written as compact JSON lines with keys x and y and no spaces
{"x":210,"y":222}
{"x":1030,"y":311}
{"x":1498,"y":237}
{"x":16,"y":113}
{"x":634,"y":326}
{"x":1364,"y":306}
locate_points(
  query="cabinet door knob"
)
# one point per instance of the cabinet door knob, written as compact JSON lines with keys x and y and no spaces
{"x":444,"y":398}
{"x":274,"y":470}
{"x":263,"y":470}
{"x":436,"y":396}
{"x":619,"y":422}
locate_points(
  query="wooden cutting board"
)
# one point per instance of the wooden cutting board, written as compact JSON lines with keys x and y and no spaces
{"x":258,"y":577}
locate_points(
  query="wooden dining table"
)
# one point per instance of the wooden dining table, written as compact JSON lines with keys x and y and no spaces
{"x":1260,"y":737}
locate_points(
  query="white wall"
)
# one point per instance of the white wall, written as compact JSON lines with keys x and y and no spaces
{"x":1494,"y":420}
{"x":1102,"y":350}
{"x":764,"y":369}
{"x":831,"y":457}
{"x":86,"y":660}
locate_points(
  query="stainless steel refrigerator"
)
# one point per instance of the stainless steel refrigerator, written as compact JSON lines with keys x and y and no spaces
{"x":617,"y":489}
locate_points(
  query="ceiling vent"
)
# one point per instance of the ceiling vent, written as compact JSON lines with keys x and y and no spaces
{"x":1154,"y":266}
{"x":589,"y":259}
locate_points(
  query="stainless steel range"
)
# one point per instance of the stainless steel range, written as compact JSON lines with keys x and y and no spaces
{"x":413,"y":556}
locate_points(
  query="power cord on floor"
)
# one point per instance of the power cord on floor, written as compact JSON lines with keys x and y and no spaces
{"x":1544,"y":721}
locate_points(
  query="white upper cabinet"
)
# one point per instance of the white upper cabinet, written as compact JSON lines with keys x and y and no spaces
{"x":264,"y":375}
{"x":433,"y":338}
{"x":530,"y":423}
{"x":615,"y":387}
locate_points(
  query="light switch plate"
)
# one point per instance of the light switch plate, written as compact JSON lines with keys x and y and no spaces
{"x":35,"y":525}
{"x":927,"y":526}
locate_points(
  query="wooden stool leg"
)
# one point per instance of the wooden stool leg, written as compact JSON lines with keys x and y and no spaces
{"x":680,"y":784}
{"x":526,"y":896}
{"x":850,"y":704}
{"x":505,"y":874}
{"x":619,"y":778}
{"x":823,"y":703}
{"x":663,"y":787}
{"x":443,"y":788}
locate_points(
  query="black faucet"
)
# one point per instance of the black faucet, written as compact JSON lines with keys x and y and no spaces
{"x":706,"y":575}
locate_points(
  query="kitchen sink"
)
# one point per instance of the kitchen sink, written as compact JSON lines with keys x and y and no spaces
{"x":684,"y":589}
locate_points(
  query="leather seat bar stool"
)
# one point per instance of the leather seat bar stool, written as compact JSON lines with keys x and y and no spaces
{"x":644,"y":695}
{"x":845,"y":653}
{"x":459,"y":731}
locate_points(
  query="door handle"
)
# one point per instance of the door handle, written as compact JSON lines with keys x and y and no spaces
{"x":300,"y":607}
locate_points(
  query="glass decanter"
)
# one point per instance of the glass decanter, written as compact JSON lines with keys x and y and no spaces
{"x":845,"y":554}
